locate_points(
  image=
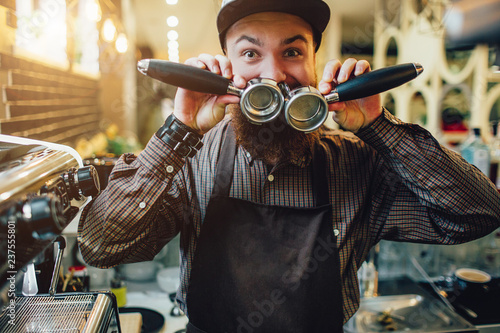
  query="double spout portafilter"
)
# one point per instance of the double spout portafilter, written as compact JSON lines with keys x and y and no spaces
{"x":262,"y":100}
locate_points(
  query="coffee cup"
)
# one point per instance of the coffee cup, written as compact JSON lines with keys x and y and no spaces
{"x":469,"y":279}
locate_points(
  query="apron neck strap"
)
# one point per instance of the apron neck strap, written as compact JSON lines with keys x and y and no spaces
{"x":225,"y":169}
{"x":319,"y":176}
{"x":225,"y":165}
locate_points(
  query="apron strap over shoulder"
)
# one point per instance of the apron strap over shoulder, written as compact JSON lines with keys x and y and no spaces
{"x":320,"y":176}
{"x":225,"y":170}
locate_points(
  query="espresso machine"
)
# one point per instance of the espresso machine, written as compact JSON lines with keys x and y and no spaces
{"x":43,"y":188}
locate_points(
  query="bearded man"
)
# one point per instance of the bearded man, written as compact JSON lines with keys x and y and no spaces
{"x":274,"y":223}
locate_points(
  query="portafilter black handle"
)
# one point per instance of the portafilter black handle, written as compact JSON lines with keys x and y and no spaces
{"x":374,"y":82}
{"x":185,"y":76}
{"x":200,"y":80}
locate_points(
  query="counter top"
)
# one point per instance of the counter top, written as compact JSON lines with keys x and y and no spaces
{"x":149,"y":295}
{"x":485,"y":302}
{"x":487,"y":305}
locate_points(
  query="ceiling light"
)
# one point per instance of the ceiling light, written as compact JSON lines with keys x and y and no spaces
{"x":172,"y":21}
{"x":108,"y":30}
{"x":172,"y":35}
{"x":173,"y":52}
{"x":93,"y":11}
{"x":171,"y":2}
{"x":121,"y":43}
{"x":173,"y":44}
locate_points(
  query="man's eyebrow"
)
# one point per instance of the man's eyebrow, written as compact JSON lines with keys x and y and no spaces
{"x":293,"y":39}
{"x":249,"y":39}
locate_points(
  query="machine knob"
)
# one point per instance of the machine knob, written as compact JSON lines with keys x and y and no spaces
{"x":87,"y":181}
{"x":44,"y":216}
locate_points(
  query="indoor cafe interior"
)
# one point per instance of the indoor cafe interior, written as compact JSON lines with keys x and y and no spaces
{"x":74,"y":102}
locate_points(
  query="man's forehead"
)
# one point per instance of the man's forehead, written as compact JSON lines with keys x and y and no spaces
{"x":259,"y":42}
{"x":271,"y":20}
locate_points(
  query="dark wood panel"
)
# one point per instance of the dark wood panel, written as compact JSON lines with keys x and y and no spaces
{"x":28,"y":93}
{"x":67,"y":136}
{"x":47,"y":103}
{"x":37,"y":112}
{"x":8,"y":3}
{"x":11,"y":18}
{"x":22,"y":77}
{"x":10,"y":62}
{"x":30,"y":110}
{"x":67,"y":102}
{"x":85,"y":130}
{"x":51,"y":116}
{"x":26,"y":129}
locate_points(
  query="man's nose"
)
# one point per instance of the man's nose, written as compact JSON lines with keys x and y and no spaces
{"x":273,"y":69}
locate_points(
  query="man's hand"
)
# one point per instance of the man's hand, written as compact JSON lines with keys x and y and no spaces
{"x":351,"y":115}
{"x":202,"y":111}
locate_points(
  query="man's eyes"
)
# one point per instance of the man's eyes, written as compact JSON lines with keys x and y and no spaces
{"x":250,"y":54}
{"x":292,"y":53}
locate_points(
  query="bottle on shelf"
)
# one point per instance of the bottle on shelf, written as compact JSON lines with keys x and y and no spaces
{"x":119,"y":288}
{"x":475,"y":151}
{"x":491,"y":253}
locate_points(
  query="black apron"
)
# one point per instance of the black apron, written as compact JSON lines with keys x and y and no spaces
{"x":260,"y":268}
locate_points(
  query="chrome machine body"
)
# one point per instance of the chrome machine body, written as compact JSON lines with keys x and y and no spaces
{"x":43,"y":188}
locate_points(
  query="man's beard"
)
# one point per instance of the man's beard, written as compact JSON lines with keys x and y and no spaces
{"x":271,"y":142}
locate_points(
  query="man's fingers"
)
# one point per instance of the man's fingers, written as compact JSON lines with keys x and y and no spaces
{"x":195,"y":62}
{"x":346,"y":70}
{"x":330,"y":71}
{"x":362,"y":67}
{"x":211,"y":63}
{"x":328,"y":81}
{"x":225,"y":66}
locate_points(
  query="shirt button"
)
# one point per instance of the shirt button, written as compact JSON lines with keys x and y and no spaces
{"x":142,"y":205}
{"x":336,"y":232}
{"x":170,"y":169}
{"x":249,"y":155}
{"x":270,"y":178}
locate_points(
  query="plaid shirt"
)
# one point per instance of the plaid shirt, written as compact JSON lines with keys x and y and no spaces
{"x":392,"y":181}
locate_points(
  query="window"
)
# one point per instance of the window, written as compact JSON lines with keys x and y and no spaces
{"x":86,"y":37}
{"x":41,"y":31}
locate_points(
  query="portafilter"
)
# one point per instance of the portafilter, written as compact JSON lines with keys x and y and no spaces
{"x":262,"y":100}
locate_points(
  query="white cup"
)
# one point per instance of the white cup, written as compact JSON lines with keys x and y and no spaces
{"x":471,"y":281}
{"x":472,"y":275}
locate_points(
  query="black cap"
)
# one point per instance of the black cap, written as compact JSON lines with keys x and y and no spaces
{"x":314,"y":12}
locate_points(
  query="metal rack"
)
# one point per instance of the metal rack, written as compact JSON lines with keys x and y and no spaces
{"x":79,"y":312}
